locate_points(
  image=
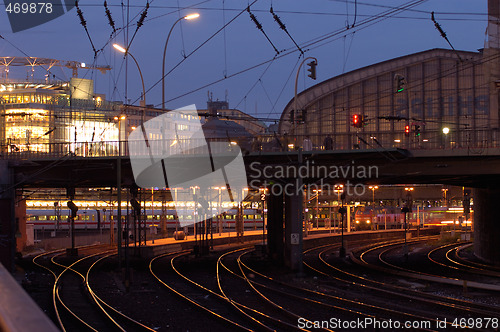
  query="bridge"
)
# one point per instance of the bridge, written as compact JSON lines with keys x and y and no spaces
{"x":273,"y":164}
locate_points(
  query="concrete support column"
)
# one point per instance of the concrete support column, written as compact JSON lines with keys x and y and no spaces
{"x":275,"y":226}
{"x":487,"y":224}
{"x":293,"y":228}
{"x":7,"y":217}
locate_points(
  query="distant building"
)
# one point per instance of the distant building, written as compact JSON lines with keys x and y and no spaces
{"x":221,"y":110}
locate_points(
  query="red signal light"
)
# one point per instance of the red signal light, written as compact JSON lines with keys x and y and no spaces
{"x":407,"y":130}
{"x":357,"y":121}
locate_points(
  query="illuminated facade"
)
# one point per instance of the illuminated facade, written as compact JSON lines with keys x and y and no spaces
{"x":438,"y":90}
{"x":33,"y":115}
{"x":46,"y":115}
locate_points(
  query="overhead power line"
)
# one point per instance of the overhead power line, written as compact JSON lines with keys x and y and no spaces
{"x":443,"y":34}
{"x":283,"y":27}
{"x":259,"y":26}
{"x":110,"y":19}
{"x":84,"y":24}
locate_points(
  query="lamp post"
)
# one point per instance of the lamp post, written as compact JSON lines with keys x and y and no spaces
{"x":187,"y":17}
{"x":342,"y":212}
{"x":373,"y":188}
{"x":406,"y":209}
{"x":317,"y":191}
{"x":445,"y":191}
{"x":339,"y":189}
{"x":446,"y":131}
{"x":127,"y":52}
{"x":119,"y":188}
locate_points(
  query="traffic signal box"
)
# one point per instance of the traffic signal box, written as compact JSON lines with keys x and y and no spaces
{"x":407,"y":131}
{"x":312,"y":69}
{"x":357,"y":120}
{"x":466,"y":202}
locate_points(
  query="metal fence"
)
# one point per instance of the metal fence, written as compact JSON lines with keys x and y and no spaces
{"x":476,"y":140}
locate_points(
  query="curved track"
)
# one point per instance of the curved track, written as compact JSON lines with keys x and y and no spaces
{"x":86,"y":312}
{"x":381,"y":289}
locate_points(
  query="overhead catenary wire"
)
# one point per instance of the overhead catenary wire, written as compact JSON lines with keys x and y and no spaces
{"x":283,"y":27}
{"x":84,"y":24}
{"x":324,"y":38}
{"x":255,"y":84}
{"x":224,"y":36}
{"x":139,"y":24}
{"x":355,"y":13}
{"x":259,"y":26}
{"x":443,"y":34}
{"x":199,"y":47}
{"x":110,"y":18}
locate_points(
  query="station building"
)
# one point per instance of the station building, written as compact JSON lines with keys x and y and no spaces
{"x":432,"y":99}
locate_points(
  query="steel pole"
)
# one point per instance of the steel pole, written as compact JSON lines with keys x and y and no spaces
{"x":163,"y":64}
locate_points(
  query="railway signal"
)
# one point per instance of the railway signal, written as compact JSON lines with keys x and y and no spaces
{"x":407,"y":131}
{"x":312,"y":69}
{"x":357,"y":120}
{"x":416,"y":130}
{"x":466,"y":202}
{"x":74,"y":209}
{"x":400,"y":83}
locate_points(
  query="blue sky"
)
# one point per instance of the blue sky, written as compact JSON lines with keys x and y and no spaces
{"x":262,"y":89}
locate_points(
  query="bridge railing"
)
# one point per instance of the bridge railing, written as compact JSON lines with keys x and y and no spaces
{"x":476,"y":140}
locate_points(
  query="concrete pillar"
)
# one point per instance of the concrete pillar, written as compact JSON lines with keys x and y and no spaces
{"x":487,"y":224}
{"x":492,"y":68}
{"x":275,"y":226}
{"x":293,"y":228}
{"x":7,"y":217}
{"x":20,"y":227}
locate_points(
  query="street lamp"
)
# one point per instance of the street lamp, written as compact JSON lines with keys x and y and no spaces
{"x":407,"y":209}
{"x":127,"y":52}
{"x":187,"y":17}
{"x":445,"y":191}
{"x":446,"y":131}
{"x":317,"y":191}
{"x":343,"y":212}
{"x":373,"y":188}
{"x":339,"y":189}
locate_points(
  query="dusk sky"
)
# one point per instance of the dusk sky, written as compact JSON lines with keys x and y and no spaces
{"x":264,"y":87}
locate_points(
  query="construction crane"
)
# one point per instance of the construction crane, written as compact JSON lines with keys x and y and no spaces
{"x":47,"y":64}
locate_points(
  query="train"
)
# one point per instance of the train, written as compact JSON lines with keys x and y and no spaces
{"x":388,"y":217}
{"x":52,"y":219}
{"x":392,"y":218}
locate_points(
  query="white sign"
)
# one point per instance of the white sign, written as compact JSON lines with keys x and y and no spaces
{"x":294,"y":238}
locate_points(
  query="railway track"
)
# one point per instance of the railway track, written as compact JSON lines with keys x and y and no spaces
{"x":381,"y":290}
{"x":454,"y":259}
{"x":431,"y":268}
{"x":205,"y":300}
{"x":319,"y":305}
{"x":76,"y":306}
